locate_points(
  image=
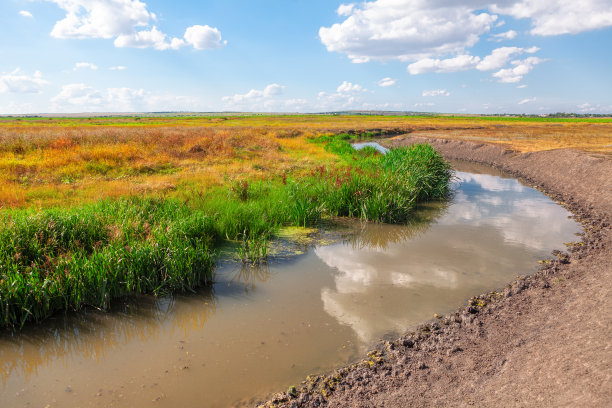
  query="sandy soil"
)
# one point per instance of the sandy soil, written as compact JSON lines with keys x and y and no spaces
{"x":544,"y":340}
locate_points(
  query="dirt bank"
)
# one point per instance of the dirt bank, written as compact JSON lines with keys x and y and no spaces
{"x":542,"y":341}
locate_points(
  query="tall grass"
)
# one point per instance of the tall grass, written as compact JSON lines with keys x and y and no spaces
{"x":64,"y":259}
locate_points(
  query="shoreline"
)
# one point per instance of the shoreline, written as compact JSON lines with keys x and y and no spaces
{"x":543,"y":340}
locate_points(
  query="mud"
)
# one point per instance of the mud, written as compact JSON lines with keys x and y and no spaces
{"x":543,"y":340}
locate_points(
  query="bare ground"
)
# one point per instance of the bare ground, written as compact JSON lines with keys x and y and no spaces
{"x":544,"y":340}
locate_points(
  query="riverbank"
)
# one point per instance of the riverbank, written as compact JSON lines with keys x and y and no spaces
{"x":543,"y":340}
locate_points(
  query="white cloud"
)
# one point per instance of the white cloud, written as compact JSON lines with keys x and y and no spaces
{"x":347,"y":97}
{"x":84,"y":98}
{"x":508,"y":35}
{"x":385,"y":82}
{"x":18,"y":82}
{"x":272,"y":90}
{"x":25,"y":13}
{"x":255,"y":95}
{"x":268,"y":99}
{"x":118,"y":68}
{"x":522,"y":86}
{"x":148,"y":39}
{"x":204,"y":37}
{"x":89,"y":65}
{"x":521,"y":68}
{"x":527,"y":100}
{"x":348,"y":87}
{"x":78,"y":95}
{"x":129,"y":22}
{"x":345,"y":9}
{"x":436,"y":92}
{"x":589,"y":108}
{"x":555,"y":17}
{"x":422,"y":104}
{"x":459,"y":63}
{"x":405,"y":30}
{"x":100,"y":18}
{"x":428,"y":30}
{"x":497,"y":59}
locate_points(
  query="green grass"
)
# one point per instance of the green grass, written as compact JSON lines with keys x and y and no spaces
{"x":68,"y":258}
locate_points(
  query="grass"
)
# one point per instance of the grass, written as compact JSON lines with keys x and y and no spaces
{"x":67,"y":257}
{"x":97,"y":208}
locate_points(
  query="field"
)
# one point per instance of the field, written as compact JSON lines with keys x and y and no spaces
{"x":66,"y":161}
{"x":98,"y":208}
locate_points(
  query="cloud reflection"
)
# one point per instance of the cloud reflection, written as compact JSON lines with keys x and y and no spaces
{"x":494,"y":229}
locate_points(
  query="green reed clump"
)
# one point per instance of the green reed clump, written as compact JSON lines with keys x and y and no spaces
{"x":422,"y":169}
{"x":65,"y":259}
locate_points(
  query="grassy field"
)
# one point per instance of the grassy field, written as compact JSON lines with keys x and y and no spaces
{"x":97,"y":208}
{"x":66,"y":161}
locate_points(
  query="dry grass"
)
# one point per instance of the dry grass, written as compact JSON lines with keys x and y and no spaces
{"x":595,"y":138}
{"x":48,"y":166}
{"x":66,"y":161}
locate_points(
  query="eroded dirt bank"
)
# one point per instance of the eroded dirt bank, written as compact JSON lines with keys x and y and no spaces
{"x":542,"y":341}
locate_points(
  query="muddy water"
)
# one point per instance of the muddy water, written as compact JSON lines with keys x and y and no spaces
{"x":259,"y":330}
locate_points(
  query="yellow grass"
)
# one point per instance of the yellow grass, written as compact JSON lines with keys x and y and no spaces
{"x":67,"y":161}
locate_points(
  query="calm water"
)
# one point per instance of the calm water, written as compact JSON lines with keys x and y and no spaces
{"x":259,"y":330}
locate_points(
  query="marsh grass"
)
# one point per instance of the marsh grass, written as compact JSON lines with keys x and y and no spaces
{"x":67,"y":258}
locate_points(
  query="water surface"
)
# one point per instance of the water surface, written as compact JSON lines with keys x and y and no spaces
{"x":258,"y":330}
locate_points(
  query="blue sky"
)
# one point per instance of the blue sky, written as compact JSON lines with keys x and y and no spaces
{"x":473,"y":56}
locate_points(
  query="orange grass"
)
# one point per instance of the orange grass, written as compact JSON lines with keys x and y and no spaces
{"x":66,"y":161}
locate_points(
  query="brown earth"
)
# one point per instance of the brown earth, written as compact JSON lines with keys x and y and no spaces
{"x":543,"y":341}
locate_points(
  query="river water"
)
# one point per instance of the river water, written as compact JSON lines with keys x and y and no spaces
{"x":323,"y":299}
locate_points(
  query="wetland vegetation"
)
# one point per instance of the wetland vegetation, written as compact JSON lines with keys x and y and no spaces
{"x":66,"y":257}
{"x":97,"y":208}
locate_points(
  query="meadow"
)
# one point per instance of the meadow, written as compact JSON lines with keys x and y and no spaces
{"x":93,"y":209}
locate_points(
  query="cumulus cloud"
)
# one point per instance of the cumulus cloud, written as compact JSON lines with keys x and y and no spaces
{"x":118,"y":68}
{"x":508,"y":35}
{"x":458,"y":63}
{"x":204,"y":37}
{"x":336,"y":101}
{"x":555,"y":17}
{"x":437,"y":33}
{"x":255,"y":94}
{"x":100,"y":18}
{"x":385,"y":82}
{"x":497,"y":59}
{"x":78,"y":95}
{"x":500,"y":57}
{"x":18,"y":82}
{"x":527,"y":100}
{"x":348,"y":87}
{"x":347,"y":96}
{"x":129,"y":23}
{"x":345,"y":9}
{"x":404,"y":30}
{"x":520,"y":69}
{"x":597,"y":108}
{"x":25,"y":13}
{"x":268,"y":99}
{"x":88,"y":65}
{"x":83,"y":98}
{"x":152,"y":38}
{"x":436,"y":92}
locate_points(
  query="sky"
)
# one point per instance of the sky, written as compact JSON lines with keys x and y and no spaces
{"x":450,"y":56}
